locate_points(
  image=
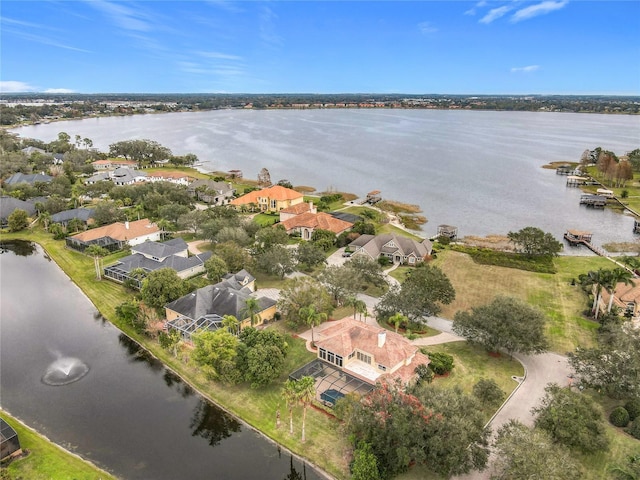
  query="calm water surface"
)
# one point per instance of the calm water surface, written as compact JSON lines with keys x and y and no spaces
{"x":129,"y":414}
{"x":480,"y":171}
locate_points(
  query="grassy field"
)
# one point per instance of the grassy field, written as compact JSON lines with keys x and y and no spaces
{"x":46,"y":460}
{"x":553,"y":293}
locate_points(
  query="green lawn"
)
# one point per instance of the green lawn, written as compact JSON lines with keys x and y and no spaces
{"x":46,"y":460}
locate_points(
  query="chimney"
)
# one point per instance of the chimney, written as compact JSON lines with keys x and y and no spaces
{"x":312,"y":207}
{"x":382,"y":337}
{"x":126,"y":224}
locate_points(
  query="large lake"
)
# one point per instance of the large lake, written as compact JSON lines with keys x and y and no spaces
{"x":128,"y":414}
{"x":480,"y":171}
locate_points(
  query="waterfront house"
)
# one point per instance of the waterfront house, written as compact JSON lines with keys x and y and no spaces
{"x":400,"y":250}
{"x":85,"y":215}
{"x":179,"y":178}
{"x":9,"y":441}
{"x":205,"y":308}
{"x":116,"y":235}
{"x":626,"y":298}
{"x":367,"y":352}
{"x":271,"y":199}
{"x":150,"y":256}
{"x":8,"y":205}
{"x":113,"y":163}
{"x":306,"y":223}
{"x":212,"y":192}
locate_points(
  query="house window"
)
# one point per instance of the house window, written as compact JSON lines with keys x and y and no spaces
{"x":274,"y":203}
{"x":382,"y":367}
{"x":363,"y":357}
{"x":351,"y":355}
{"x":330,"y":357}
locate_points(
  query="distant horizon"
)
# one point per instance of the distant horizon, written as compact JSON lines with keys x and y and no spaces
{"x":497,"y":47}
{"x":247,"y":94}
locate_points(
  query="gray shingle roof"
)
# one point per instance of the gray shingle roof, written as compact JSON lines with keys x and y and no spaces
{"x":161,"y":250}
{"x":9,"y":204}
{"x":83,"y":214}
{"x":223,"y":298}
{"x":17,"y":178}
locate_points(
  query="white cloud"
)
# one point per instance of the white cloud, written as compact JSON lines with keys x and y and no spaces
{"x":268,"y":32}
{"x":58,"y":90}
{"x":495,"y":13}
{"x":427,"y":27}
{"x":527,"y":69}
{"x":11,"y":86}
{"x":123,"y":16}
{"x":539,"y":9}
{"x":219,"y":55}
{"x":472,"y":10}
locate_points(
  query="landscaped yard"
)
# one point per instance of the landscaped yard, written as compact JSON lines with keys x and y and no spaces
{"x":46,"y":460}
{"x":562,"y":302}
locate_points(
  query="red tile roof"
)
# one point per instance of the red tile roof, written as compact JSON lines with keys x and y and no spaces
{"x":119,"y":231}
{"x":276,"y":192}
{"x":314,"y":221}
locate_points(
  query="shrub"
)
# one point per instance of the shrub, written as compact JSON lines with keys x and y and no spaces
{"x":634,"y":429}
{"x":441,"y":363}
{"x":619,"y":417}
{"x":633,"y":407}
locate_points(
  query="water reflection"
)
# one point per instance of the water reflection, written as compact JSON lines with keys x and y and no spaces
{"x":212,"y":424}
{"x":19,"y":247}
{"x":139,"y":354}
{"x":172,"y":380}
{"x":294,"y":474}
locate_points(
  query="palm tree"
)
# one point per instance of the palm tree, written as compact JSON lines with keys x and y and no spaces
{"x":97,"y":252}
{"x":312,"y":317}
{"x":290,"y":395}
{"x":231,"y":323}
{"x":46,"y":219}
{"x":616,"y":276}
{"x":251,"y":309}
{"x":397,"y":320}
{"x":597,"y":279}
{"x":306,"y":389}
{"x":361,"y":308}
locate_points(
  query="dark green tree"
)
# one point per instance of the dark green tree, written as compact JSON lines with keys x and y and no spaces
{"x":161,"y":287}
{"x":523,"y":453}
{"x":532,"y":241}
{"x":572,"y":419}
{"x":506,"y":323}
{"x":18,"y":220}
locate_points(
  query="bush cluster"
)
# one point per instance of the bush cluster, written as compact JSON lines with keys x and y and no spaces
{"x":441,"y":363}
{"x":633,"y":407}
{"x":634,"y":429}
{"x":619,"y":417}
{"x":486,"y":256}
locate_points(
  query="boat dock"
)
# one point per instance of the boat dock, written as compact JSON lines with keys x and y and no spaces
{"x":575,"y":238}
{"x":595,"y":201}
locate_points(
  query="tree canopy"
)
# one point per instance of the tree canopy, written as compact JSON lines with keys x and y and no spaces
{"x":421,"y":294}
{"x":506,"y":323}
{"x":300,"y":293}
{"x":161,"y":287}
{"x":532,"y":241}
{"x":572,"y":419}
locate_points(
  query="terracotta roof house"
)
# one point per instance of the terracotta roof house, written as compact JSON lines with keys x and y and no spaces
{"x":212,"y":192}
{"x":150,"y":256}
{"x":271,"y":199}
{"x":306,"y":223}
{"x":297,"y":209}
{"x":368,"y":352}
{"x":626,"y":298}
{"x":116,"y":235}
{"x":399,"y":249}
{"x":8,"y":205}
{"x":205,"y":308}
{"x":18,"y":178}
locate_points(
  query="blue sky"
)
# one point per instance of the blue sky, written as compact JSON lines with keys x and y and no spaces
{"x":455,"y":47}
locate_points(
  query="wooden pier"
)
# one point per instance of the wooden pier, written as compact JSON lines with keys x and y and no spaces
{"x":594,"y":201}
{"x":448,"y":231}
{"x":564,"y":170}
{"x":576,"y":181}
{"x":575,"y":238}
